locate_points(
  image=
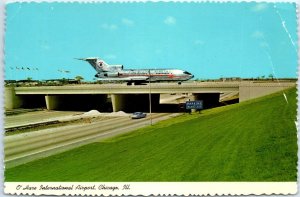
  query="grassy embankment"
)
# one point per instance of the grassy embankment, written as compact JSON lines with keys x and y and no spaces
{"x":250,"y":141}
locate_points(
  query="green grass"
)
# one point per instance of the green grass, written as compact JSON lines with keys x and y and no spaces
{"x":250,"y":141}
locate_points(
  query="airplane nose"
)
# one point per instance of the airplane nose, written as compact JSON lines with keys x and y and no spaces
{"x":192,"y":76}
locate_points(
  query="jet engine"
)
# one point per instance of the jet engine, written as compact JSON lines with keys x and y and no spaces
{"x":116,"y":67}
{"x":111,"y":74}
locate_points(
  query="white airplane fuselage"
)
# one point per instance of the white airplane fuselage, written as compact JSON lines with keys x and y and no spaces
{"x":117,"y":73}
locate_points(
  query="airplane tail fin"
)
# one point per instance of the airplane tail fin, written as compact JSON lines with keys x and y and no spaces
{"x":98,"y":64}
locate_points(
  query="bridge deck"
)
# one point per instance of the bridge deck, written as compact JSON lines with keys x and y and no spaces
{"x":124,"y":89}
{"x":156,"y":88}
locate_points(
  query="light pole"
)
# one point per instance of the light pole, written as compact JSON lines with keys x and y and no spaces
{"x":150,"y":110}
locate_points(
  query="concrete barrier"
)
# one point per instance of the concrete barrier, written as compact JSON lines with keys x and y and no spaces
{"x":250,"y":90}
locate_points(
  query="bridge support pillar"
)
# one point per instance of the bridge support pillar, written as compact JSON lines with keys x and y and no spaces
{"x":134,"y":102}
{"x":12,"y":101}
{"x":118,"y":102}
{"x":209,"y":99}
{"x":52,"y":102}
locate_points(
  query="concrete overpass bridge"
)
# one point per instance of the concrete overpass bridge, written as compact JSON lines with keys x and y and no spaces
{"x":135,"y":98}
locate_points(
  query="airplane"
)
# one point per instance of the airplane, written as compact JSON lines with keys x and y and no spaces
{"x":106,"y":72}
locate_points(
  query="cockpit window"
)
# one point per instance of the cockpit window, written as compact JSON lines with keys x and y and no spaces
{"x":187,"y":73}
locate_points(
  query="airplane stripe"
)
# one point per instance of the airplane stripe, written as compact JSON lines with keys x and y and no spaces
{"x":167,"y":75}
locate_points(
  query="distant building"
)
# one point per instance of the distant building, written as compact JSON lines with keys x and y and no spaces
{"x":230,"y":78}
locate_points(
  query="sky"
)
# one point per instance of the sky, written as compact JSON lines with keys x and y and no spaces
{"x":210,"y":40}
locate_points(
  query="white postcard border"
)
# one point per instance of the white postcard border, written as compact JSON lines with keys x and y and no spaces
{"x":142,"y":188}
{"x":150,"y":188}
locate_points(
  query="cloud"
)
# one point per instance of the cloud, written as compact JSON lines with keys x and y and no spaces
{"x":259,"y":7}
{"x":128,"y":22}
{"x":45,"y":47}
{"x":109,"y":26}
{"x":264,"y":44}
{"x":158,"y":51}
{"x":199,"y":42}
{"x":258,"y":34}
{"x":170,"y":20}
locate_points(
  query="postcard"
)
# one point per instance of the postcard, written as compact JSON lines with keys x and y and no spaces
{"x":150,"y":98}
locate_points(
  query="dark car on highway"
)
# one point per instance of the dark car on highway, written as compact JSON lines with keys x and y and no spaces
{"x":138,"y":115}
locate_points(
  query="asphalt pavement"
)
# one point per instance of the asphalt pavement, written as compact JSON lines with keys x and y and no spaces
{"x":25,"y":147}
{"x":34,"y":117}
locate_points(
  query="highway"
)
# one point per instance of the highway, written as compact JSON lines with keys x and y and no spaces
{"x":34,"y":117}
{"x":25,"y":147}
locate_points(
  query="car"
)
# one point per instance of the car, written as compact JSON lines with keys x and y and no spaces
{"x":138,"y":115}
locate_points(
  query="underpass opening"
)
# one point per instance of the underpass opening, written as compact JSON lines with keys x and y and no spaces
{"x":32,"y":101}
{"x":77,"y":102}
{"x":176,"y":102}
{"x":134,"y":102}
{"x":210,"y":100}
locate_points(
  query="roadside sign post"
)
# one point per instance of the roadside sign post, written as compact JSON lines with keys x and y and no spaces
{"x":150,"y":110}
{"x":198,"y":105}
